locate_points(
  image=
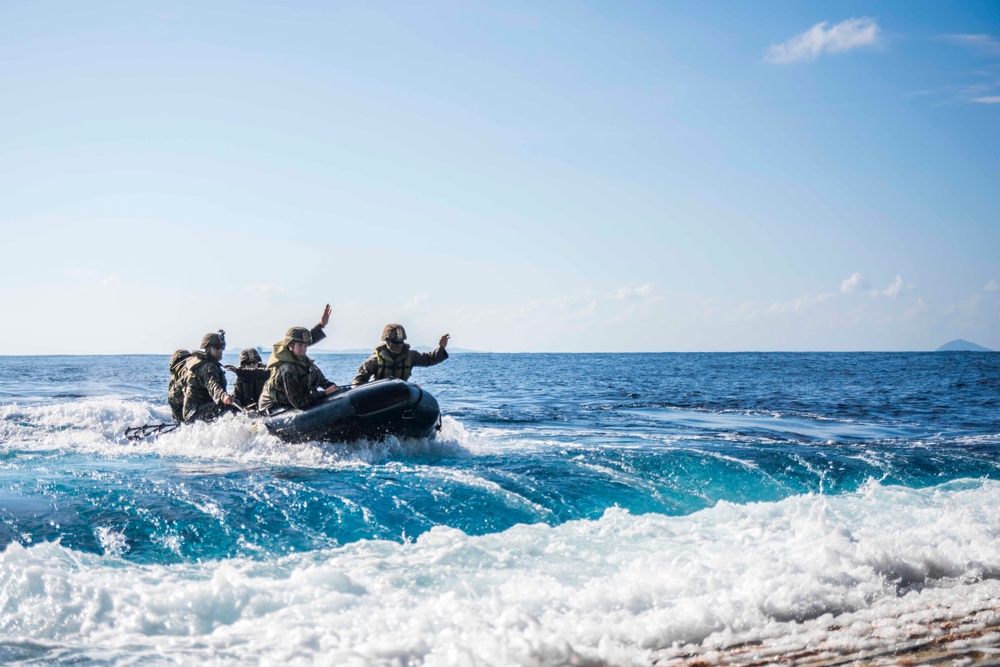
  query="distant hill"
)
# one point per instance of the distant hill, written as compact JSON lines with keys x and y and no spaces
{"x":959,"y":345}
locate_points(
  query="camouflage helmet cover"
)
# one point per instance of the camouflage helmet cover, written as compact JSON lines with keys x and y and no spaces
{"x":249,"y":356}
{"x":178,"y":355}
{"x":298,"y":335}
{"x":218,"y":339}
{"x":394,"y":332}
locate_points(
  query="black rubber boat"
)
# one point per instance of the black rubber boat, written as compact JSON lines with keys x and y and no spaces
{"x":372,"y":411}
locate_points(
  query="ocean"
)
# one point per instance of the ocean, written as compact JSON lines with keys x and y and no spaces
{"x":576,"y":509}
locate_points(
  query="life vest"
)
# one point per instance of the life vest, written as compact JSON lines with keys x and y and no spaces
{"x":306,"y":376}
{"x":393,"y":367}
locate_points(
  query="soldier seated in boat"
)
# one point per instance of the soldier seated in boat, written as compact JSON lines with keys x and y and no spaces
{"x":394,"y":358}
{"x":205,"y":396}
{"x":252,"y":375}
{"x":175,"y":390}
{"x":295,"y":379}
{"x":250,"y":378}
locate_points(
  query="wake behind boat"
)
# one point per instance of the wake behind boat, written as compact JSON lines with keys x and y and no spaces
{"x":372,"y":411}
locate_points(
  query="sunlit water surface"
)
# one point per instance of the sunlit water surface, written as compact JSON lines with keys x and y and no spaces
{"x":575,"y":509}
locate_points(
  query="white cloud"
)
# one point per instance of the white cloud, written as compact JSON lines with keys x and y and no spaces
{"x":110,"y":279}
{"x":991,"y":286}
{"x":988,"y":100}
{"x":853,"y":283}
{"x":630,"y":292}
{"x":846,"y":35}
{"x":415,"y":302}
{"x":799,"y":304}
{"x":893,"y":290}
{"x":264,"y":290}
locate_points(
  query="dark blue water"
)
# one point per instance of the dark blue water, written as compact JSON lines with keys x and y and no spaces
{"x":566,"y":441}
{"x":533,"y":438}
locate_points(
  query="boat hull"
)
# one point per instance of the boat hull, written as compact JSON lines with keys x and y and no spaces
{"x":371,"y":411}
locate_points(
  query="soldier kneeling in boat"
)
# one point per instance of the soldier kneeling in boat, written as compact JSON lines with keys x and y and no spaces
{"x":394,"y":358}
{"x":205,"y":396}
{"x":295,"y":379}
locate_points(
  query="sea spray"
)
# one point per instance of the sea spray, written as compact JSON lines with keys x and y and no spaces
{"x":574,"y":509}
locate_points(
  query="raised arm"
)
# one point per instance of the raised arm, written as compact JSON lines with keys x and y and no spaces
{"x":317,"y":331}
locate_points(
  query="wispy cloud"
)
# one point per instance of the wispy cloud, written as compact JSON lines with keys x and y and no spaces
{"x":799,"y":304}
{"x":855,"y":282}
{"x":415,"y":302}
{"x":967,"y":308}
{"x":264,"y":290}
{"x":986,"y":45}
{"x":631,"y":292}
{"x":991,"y":286}
{"x":982,"y":91}
{"x":844,"y":36}
{"x":893,"y":290}
{"x":91,"y":275}
{"x":916,"y":310}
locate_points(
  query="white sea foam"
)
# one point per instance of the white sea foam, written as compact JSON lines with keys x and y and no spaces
{"x":843,"y":572}
{"x":97,"y":425}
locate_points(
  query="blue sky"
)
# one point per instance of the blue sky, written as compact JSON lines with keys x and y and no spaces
{"x":642,"y":176}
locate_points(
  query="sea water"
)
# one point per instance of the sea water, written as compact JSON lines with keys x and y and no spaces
{"x":586,"y":509}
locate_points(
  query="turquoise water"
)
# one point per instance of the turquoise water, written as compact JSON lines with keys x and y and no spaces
{"x":608,"y":508}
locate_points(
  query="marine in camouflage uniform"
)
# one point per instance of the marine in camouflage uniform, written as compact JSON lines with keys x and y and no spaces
{"x":175,"y":390}
{"x":394,"y":358}
{"x":250,"y":378}
{"x":205,"y":396}
{"x":295,"y":379}
{"x":252,"y":375}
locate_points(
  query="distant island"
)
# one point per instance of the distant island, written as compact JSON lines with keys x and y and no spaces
{"x":959,"y":345}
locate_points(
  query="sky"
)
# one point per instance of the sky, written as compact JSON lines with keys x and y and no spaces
{"x":526,"y":176}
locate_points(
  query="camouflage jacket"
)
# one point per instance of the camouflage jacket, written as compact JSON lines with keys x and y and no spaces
{"x":317,"y":334}
{"x":250,"y":380}
{"x":204,"y":387}
{"x":383,"y":364}
{"x":293,"y":382}
{"x":175,"y":390}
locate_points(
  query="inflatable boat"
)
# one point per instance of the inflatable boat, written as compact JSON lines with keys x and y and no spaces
{"x":371,"y":411}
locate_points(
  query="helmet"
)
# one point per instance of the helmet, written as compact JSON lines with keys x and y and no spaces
{"x":218,"y":339}
{"x":298,"y":335}
{"x":249,"y":356}
{"x":178,"y":355}
{"x":394,"y":333}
